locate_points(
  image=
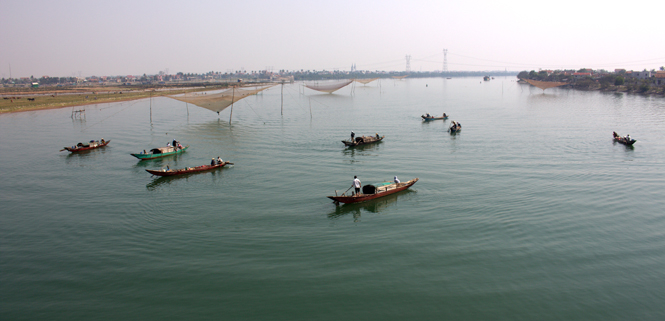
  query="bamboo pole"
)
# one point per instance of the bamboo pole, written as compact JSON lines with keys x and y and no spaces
{"x":233,"y":94}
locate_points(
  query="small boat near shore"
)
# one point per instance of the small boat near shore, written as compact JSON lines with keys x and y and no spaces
{"x":428,"y":118}
{"x":186,"y":170}
{"x":80,"y":147}
{"x":160,"y":152}
{"x":370,"y":192}
{"x":623,"y":140}
{"x":362,"y":140}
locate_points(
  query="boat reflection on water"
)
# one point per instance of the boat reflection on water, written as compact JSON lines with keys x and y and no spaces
{"x":374,"y":206}
{"x":171,"y":160}
{"x":362,"y":149}
{"x":85,"y":155}
{"x":628,"y":147}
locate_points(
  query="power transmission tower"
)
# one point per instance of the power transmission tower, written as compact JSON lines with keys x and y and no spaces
{"x":408,"y":63}
{"x":445,"y":60}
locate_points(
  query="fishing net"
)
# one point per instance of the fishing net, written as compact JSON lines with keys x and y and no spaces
{"x":220,"y":100}
{"x":365,"y":81}
{"x":328,"y":87}
{"x":545,"y":84}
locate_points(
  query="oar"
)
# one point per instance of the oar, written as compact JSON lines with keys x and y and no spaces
{"x":347,"y":189}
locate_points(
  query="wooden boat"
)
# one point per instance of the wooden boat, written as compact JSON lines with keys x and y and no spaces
{"x":623,"y":140}
{"x":83,"y":147}
{"x":433,"y":118}
{"x":186,"y":170}
{"x":160,"y":152}
{"x":363,"y":140}
{"x":370,"y":192}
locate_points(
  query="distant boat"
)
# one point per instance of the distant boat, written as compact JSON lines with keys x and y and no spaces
{"x":486,"y":78}
{"x":623,"y":140}
{"x":160,"y":152}
{"x":362,"y":140}
{"x":186,"y":170}
{"x":425,"y":118}
{"x":83,"y":147}
{"x":370,"y":192}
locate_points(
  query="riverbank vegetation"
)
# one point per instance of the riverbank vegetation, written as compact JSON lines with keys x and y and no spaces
{"x":587,"y":79}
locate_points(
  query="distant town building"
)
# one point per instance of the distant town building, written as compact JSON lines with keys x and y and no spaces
{"x":660,"y":77}
{"x":642,"y":74}
{"x":580,"y":75}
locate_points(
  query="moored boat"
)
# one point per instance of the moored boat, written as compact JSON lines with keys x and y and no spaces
{"x":83,"y":147}
{"x":160,"y":152}
{"x":186,"y":170}
{"x":623,"y":140}
{"x":363,"y":140}
{"x":370,"y":192}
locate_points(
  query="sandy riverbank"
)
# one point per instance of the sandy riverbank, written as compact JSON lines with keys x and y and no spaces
{"x":30,"y":100}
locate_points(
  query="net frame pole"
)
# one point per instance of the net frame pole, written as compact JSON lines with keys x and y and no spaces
{"x":233,"y":94}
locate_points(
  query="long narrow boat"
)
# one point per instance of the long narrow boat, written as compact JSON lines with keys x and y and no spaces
{"x":160,"y":152}
{"x":362,"y":140}
{"x":186,"y":170}
{"x":623,"y":140}
{"x":83,"y":147}
{"x":433,"y":118}
{"x":370,"y":192}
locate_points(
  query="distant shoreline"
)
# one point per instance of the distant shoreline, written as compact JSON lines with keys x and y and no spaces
{"x":616,"y":89}
{"x":52,"y":98}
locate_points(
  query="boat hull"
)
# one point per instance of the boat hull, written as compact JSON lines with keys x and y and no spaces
{"x":352,"y":144}
{"x":433,"y":118}
{"x":622,"y":140}
{"x":366,"y":197}
{"x":82,"y":149}
{"x":160,"y":155}
{"x":183,"y":171}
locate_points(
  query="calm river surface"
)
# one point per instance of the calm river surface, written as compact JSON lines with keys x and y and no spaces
{"x":530,"y":213}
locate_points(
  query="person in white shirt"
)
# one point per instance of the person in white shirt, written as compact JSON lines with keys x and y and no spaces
{"x":396,"y":180}
{"x":357,"y":184}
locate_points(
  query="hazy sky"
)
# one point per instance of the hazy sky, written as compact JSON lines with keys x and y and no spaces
{"x":69,"y":37}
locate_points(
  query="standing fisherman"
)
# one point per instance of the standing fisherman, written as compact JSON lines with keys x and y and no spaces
{"x":352,"y":136}
{"x":357,"y":184}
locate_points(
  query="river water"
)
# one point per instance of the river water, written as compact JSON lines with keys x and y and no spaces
{"x":530,"y":213}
